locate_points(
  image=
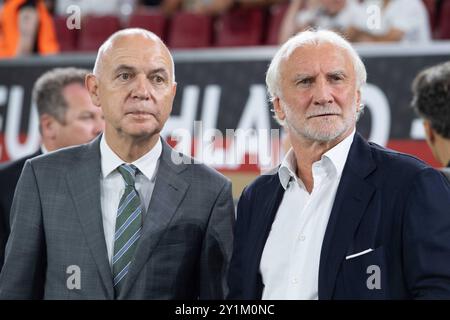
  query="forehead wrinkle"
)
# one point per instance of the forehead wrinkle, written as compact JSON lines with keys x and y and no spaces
{"x":338,"y":62}
{"x":118,"y":49}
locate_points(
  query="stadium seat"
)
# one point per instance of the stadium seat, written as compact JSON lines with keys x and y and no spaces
{"x":152,"y":20}
{"x":189,"y":30}
{"x":240,"y":27}
{"x":67,"y":38}
{"x":430,"y":5}
{"x":444,"y":21}
{"x":95,"y":30}
{"x":276,"y":15}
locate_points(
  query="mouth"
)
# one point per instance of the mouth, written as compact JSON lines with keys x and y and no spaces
{"x":139,"y":114}
{"x":324,"y":115}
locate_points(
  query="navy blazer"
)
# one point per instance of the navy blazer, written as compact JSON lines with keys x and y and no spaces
{"x":386,"y":201}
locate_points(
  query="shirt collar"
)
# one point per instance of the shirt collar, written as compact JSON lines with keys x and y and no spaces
{"x":337,"y":155}
{"x":146,"y":164}
{"x":288,"y":168}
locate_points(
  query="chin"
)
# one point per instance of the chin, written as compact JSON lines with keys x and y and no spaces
{"x":324,"y":135}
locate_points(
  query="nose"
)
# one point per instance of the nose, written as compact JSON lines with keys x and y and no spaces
{"x":141,"y":90}
{"x":322,"y":93}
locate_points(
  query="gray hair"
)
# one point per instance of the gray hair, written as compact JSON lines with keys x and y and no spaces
{"x":306,"y":38}
{"x":48,"y":90}
{"x":431,"y":97}
{"x":128,"y":32}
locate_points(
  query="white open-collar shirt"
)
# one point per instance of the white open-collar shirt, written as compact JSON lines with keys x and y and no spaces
{"x":290,"y":261}
{"x":112,"y":185}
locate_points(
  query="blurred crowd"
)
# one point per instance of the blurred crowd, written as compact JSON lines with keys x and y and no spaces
{"x":29,"y":26}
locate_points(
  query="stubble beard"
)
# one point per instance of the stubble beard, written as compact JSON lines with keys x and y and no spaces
{"x":328,"y":130}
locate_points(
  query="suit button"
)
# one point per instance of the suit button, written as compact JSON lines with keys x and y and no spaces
{"x":301,"y":238}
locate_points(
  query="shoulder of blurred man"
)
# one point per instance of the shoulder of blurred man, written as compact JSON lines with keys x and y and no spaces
{"x":9,"y":175}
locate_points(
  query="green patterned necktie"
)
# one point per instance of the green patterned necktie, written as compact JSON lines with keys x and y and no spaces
{"x":128,"y":227}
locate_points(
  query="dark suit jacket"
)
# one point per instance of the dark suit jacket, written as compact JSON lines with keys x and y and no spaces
{"x":386,"y":201}
{"x":57,"y":226}
{"x":9,"y":175}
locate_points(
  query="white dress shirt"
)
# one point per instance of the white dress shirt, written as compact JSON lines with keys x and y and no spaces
{"x":112,"y":186}
{"x":291,"y":256}
{"x":347,"y":17}
{"x":409,"y":16}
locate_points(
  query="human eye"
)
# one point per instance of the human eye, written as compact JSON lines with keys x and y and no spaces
{"x":124,"y":76}
{"x":336,"y":78}
{"x":159,"y":79}
{"x":86,"y":116}
{"x":304,"y":81}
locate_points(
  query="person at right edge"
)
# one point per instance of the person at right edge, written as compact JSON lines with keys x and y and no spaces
{"x":340,"y":218}
{"x":431,"y":101}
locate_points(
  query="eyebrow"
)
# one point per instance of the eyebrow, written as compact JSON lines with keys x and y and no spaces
{"x":337,"y":73}
{"x":124,"y":67}
{"x":301,"y":76}
{"x":159,"y":70}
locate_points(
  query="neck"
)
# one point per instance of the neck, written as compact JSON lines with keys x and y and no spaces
{"x":130,"y":149}
{"x":49,"y":145}
{"x":443,"y":151}
{"x":309,"y":151}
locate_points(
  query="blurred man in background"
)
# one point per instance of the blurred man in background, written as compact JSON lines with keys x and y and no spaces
{"x":431,"y":101}
{"x":67,"y":117}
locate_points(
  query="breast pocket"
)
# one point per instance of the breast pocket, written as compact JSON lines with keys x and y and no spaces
{"x":365,"y":275}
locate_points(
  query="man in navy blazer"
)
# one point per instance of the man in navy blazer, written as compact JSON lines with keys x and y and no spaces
{"x":340,"y":218}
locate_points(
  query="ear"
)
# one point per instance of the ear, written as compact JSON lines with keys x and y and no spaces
{"x":429,"y":132}
{"x":358,"y":100}
{"x":92,"y":86}
{"x":278,"y":109}
{"x":174,"y":89}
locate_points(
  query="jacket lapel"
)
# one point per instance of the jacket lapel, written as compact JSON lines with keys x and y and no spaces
{"x":83,"y":181}
{"x":352,"y":198}
{"x":167,"y":195}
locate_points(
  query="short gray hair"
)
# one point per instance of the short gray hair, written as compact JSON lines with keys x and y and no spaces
{"x":431,"y":97}
{"x":305,"y":38}
{"x":48,"y":90}
{"x":128,"y":32}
